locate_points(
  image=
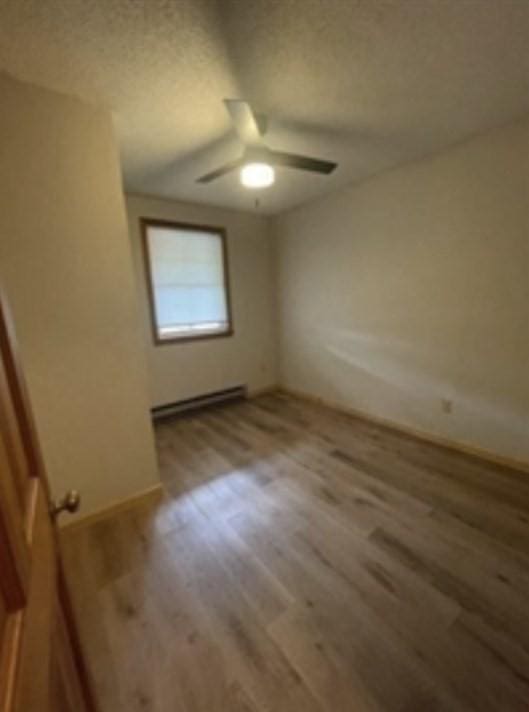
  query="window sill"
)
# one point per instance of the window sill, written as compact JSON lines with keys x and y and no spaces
{"x":191,"y":337}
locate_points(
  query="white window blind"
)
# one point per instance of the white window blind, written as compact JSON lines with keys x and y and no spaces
{"x":188,"y":281}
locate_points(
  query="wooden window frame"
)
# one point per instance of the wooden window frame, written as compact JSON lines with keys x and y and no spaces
{"x":145,"y":224}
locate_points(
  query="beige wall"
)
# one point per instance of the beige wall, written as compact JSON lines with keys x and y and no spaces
{"x":66,"y":267}
{"x":413,"y":287}
{"x":184,"y":370}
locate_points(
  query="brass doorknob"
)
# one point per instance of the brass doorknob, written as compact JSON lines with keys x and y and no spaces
{"x":70,"y":502}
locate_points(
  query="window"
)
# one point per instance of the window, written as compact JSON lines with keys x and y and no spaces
{"x":187,"y":280}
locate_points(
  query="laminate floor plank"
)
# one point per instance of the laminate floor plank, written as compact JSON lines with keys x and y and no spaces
{"x":479,"y":508}
{"x":304,"y":559}
{"x":506,"y":486}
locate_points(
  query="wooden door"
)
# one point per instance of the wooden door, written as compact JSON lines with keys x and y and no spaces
{"x":41,"y":665}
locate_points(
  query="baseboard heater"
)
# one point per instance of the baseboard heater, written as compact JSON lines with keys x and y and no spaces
{"x":188,"y":404}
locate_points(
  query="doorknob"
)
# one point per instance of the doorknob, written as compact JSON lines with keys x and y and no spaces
{"x":70,"y":502}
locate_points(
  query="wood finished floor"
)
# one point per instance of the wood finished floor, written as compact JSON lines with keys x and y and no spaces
{"x":306,"y":560}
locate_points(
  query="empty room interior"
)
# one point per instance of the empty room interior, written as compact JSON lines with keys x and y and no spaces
{"x":264,"y":356}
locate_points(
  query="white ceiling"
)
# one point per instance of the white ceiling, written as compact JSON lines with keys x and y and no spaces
{"x":367,"y":83}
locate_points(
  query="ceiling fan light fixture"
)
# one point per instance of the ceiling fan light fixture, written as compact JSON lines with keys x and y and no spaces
{"x":257,"y":175}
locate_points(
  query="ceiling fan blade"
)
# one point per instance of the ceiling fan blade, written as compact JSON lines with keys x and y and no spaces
{"x":226,"y":168}
{"x":302,"y":163}
{"x":245,"y":122}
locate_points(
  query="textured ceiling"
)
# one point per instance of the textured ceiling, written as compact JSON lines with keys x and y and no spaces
{"x":368,"y":83}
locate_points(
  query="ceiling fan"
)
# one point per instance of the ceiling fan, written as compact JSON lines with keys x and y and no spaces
{"x":258,"y":161}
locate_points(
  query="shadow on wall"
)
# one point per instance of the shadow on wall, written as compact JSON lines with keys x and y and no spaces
{"x":393,"y":363}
